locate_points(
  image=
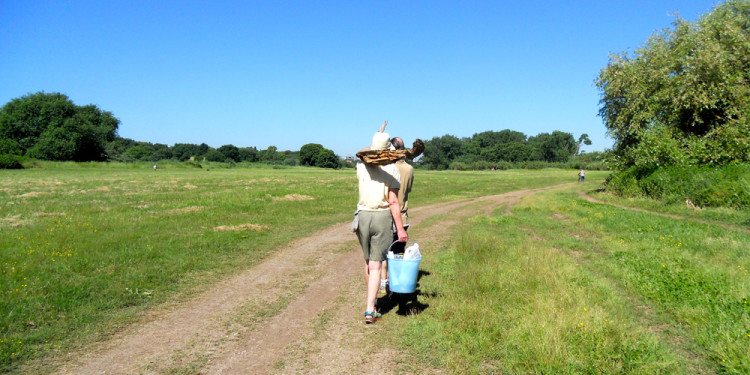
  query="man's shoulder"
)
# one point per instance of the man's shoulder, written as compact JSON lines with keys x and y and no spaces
{"x":404,"y":166}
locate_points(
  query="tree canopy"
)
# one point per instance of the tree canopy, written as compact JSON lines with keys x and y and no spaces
{"x":498,"y":146}
{"x":683,"y":98}
{"x":315,"y":155}
{"x":52,"y":127}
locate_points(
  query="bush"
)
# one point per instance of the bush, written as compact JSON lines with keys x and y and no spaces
{"x":191,"y":163}
{"x":215,"y":155}
{"x":10,"y":162}
{"x":726,"y":186}
{"x":291,"y":162}
{"x":535,"y":165}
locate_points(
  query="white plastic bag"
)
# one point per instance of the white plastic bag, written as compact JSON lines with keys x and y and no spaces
{"x":412,"y":252}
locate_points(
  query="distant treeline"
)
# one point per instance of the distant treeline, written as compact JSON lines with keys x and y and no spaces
{"x":508,"y":149}
{"x":49,"y":126}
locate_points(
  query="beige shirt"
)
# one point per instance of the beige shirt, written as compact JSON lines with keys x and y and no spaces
{"x":374,"y":183}
{"x":407,"y":178}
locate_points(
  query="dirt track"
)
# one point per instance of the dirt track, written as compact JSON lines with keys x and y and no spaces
{"x":300,"y":311}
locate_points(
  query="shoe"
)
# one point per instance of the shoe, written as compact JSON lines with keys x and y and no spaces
{"x":383,"y":289}
{"x":372,"y":317}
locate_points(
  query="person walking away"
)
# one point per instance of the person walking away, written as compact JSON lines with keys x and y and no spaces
{"x":406,"y":171}
{"x":378,"y":210}
{"x":581,"y":175}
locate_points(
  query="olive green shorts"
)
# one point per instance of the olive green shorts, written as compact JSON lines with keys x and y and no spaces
{"x":375,"y":233}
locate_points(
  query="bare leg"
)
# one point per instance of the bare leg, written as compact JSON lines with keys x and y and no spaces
{"x":373,"y":283}
{"x":384,"y":271}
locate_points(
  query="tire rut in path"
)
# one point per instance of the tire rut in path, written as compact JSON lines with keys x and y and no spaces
{"x":198,"y":328}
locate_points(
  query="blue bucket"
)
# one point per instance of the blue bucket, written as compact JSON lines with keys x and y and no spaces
{"x":402,"y":274}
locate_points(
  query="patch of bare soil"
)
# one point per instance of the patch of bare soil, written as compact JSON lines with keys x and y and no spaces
{"x":13,"y":221}
{"x":293,"y":197}
{"x":32,"y":194}
{"x":299,"y":311}
{"x":223,"y":228}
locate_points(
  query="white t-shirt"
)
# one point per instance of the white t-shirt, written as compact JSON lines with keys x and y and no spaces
{"x":374,"y":183}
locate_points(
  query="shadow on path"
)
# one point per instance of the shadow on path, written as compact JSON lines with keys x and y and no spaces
{"x":405,"y":303}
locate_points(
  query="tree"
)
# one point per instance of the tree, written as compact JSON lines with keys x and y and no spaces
{"x":230,"y":152}
{"x":481,"y":142}
{"x":583,"y":139}
{"x":55,"y":143}
{"x":184,"y":151}
{"x":24,"y":119}
{"x":515,"y":152}
{"x":308,"y":154}
{"x":161,"y":152}
{"x":96,"y":128}
{"x":50,"y":126}
{"x":248,"y":154}
{"x":141,"y":151}
{"x":327,"y":159}
{"x":556,"y":147}
{"x":9,"y":147}
{"x":270,"y":155}
{"x":684,"y":98}
{"x":116,"y":150}
{"x":215,"y":155}
{"x":439,"y":152}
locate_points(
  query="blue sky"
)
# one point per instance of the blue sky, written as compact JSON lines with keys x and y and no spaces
{"x":287,"y":73}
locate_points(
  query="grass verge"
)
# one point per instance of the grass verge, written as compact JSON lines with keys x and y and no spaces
{"x":567,"y":286}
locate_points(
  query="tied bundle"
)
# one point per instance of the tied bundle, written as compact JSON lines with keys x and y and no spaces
{"x":384,"y":157}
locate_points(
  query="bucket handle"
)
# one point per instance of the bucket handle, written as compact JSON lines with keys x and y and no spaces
{"x":394,"y":242}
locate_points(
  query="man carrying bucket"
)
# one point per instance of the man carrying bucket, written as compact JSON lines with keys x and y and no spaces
{"x":407,"y":178}
{"x":378,"y":210}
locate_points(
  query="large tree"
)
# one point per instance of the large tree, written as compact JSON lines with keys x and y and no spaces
{"x":315,"y":155}
{"x":50,"y":126}
{"x":439,"y":152}
{"x":184,"y":151}
{"x":327,"y":159}
{"x":231,"y":152}
{"x":555,"y":147}
{"x":308,"y":154}
{"x":480,"y":142}
{"x":684,"y":98}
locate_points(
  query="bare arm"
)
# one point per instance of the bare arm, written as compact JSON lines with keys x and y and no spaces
{"x":396,"y":213}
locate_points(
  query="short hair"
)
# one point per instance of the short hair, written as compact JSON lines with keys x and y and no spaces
{"x":397,"y":143}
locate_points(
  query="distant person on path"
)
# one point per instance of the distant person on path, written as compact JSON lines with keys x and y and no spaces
{"x":407,"y":178}
{"x":154,"y":166}
{"x":378,"y":211}
{"x":581,"y":175}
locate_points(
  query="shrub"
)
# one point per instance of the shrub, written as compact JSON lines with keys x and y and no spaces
{"x":10,"y":162}
{"x":191,"y":163}
{"x":726,"y":186}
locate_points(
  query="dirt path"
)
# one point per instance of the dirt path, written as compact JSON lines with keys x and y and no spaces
{"x":299,"y":311}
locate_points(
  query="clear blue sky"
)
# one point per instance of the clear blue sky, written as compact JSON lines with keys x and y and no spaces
{"x":287,"y":73}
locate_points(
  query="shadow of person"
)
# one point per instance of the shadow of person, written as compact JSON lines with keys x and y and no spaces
{"x":405,"y":303}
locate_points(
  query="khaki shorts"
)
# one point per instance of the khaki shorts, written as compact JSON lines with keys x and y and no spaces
{"x":375,"y":234}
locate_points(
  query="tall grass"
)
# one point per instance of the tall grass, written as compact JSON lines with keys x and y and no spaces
{"x":86,"y":246}
{"x":564,"y":286}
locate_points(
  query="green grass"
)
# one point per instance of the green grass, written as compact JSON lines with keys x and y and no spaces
{"x":87,"y":246}
{"x":564,"y":286}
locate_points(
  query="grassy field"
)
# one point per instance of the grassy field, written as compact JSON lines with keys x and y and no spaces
{"x":565,"y":286}
{"x":87,"y":247}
